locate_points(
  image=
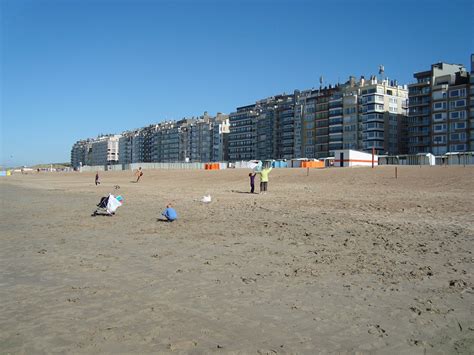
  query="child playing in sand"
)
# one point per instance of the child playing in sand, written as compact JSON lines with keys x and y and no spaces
{"x":252,"y":182}
{"x":139,"y":173}
{"x":170,"y":213}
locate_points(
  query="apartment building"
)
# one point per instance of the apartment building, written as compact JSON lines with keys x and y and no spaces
{"x":312,"y":111}
{"x":243,"y":133}
{"x":288,"y":133}
{"x":384,"y":117}
{"x":220,"y":133}
{"x":358,"y":115}
{"x":80,"y":153}
{"x":169,"y":137}
{"x":268,"y":129}
{"x":200,"y":139}
{"x":471,"y":106}
{"x":437,"y":121}
{"x":131,"y":147}
{"x":104,"y":150}
{"x":450,"y":117}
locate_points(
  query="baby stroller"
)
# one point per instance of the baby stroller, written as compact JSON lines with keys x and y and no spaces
{"x":108,"y":205}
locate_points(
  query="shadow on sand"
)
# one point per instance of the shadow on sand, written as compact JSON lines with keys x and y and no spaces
{"x":243,"y":192}
{"x":163,"y":220}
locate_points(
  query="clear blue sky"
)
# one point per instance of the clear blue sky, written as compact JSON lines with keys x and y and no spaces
{"x":72,"y":69}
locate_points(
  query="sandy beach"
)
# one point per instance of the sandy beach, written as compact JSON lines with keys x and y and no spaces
{"x":340,"y":261}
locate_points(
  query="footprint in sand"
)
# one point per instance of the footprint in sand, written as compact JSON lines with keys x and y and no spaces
{"x":182,"y":345}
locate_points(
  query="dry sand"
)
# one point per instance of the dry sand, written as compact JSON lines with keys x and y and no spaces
{"x":340,"y":261}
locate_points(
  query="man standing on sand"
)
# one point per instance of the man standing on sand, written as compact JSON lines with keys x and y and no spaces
{"x":264,"y":179}
{"x":97,"y":182}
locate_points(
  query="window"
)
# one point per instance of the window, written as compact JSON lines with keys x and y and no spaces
{"x":439,"y":128}
{"x":457,"y":147}
{"x":439,"y":117}
{"x":439,"y":106}
{"x":457,"y":115}
{"x":458,"y":125}
{"x":457,"y":136}
{"x":457,"y":103}
{"x":439,"y":139}
{"x":457,"y":93}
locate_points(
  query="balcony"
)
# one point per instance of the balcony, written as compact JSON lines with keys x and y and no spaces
{"x":418,"y":123}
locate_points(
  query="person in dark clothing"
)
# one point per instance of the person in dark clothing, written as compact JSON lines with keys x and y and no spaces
{"x":252,"y":182}
{"x":97,"y":182}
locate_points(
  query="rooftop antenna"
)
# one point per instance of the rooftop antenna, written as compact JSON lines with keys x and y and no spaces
{"x":381,"y":71}
{"x":321,"y":81}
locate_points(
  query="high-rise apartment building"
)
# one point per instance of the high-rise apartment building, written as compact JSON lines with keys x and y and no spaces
{"x":242,"y":135}
{"x":265,"y":130}
{"x":220,"y":134}
{"x":384,"y":117}
{"x":131,"y":147}
{"x":471,"y":106}
{"x":104,"y":150}
{"x":312,"y":111}
{"x":358,"y":115}
{"x":439,"y":110}
{"x":80,"y":153}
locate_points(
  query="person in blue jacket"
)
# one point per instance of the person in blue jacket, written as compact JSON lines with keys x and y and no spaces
{"x":170,"y":213}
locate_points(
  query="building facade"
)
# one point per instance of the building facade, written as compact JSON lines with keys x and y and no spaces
{"x":80,"y":153}
{"x":471,"y":106}
{"x":358,"y":115}
{"x":103,"y":150}
{"x":433,"y":115}
{"x":243,"y":133}
{"x":265,"y":130}
{"x":439,"y":110}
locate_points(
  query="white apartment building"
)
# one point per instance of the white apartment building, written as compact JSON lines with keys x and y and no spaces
{"x":104,"y":150}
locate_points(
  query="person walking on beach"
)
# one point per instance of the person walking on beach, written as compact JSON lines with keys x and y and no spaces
{"x":264,"y":179}
{"x":97,"y":182}
{"x":170,"y":213}
{"x":252,"y":182}
{"x":139,"y":173}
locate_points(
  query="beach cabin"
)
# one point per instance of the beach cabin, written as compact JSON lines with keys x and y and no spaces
{"x":425,"y":159}
{"x":459,"y":158}
{"x":306,"y":163}
{"x":408,"y":159}
{"x":279,"y":164}
{"x":350,"y":158}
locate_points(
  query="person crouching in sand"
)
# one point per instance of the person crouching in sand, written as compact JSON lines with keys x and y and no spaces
{"x":170,"y":213}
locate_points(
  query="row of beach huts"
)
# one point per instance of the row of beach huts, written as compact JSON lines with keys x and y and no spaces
{"x":342,"y":158}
